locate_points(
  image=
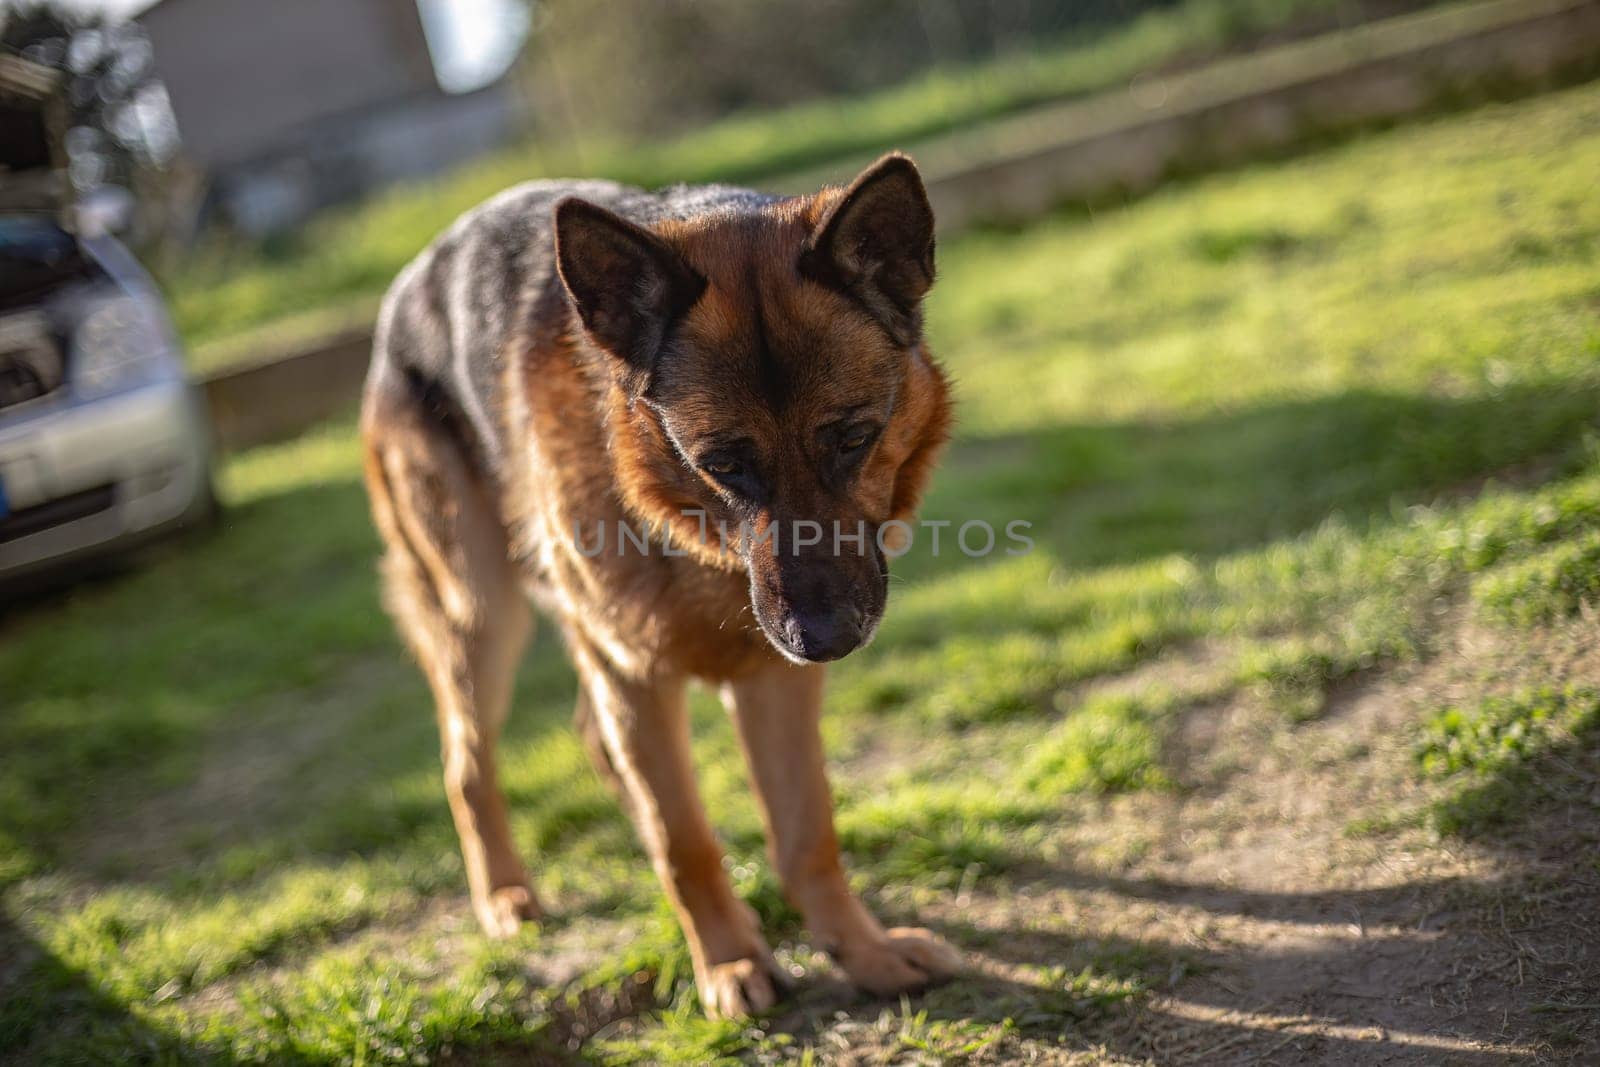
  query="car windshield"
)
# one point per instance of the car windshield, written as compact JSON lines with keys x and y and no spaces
{"x":36,"y":255}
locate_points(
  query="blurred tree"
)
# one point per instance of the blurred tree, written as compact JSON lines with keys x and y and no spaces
{"x":635,"y":66}
{"x":120,"y":125}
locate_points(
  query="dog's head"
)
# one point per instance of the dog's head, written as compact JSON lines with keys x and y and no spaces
{"x":768,"y":373}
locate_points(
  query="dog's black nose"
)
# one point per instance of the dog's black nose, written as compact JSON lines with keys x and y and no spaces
{"x":826,"y":634}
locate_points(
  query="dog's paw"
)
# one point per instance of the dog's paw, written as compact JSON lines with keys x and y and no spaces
{"x":740,"y":988}
{"x":502,"y":913}
{"x":905,"y":959}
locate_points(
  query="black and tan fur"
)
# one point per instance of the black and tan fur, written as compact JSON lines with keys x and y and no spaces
{"x":573,"y":354}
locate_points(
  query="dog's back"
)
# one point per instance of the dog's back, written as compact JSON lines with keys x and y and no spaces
{"x":488,"y":285}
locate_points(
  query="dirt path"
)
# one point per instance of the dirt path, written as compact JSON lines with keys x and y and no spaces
{"x":1266,"y":924}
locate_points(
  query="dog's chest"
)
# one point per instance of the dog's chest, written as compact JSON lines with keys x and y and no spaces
{"x":601,"y":573}
{"x":650,"y":612}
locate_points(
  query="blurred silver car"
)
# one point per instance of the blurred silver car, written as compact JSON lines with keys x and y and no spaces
{"x":103,"y":443}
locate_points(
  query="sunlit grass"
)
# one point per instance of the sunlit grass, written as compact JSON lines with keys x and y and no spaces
{"x":1486,"y":751}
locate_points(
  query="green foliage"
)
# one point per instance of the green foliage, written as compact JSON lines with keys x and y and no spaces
{"x":754,"y":56}
{"x":1500,"y":731}
{"x":1543,"y":587}
{"x":1225,"y":246}
{"x":1104,"y":745}
{"x":685,"y":1036}
{"x":1486,"y":751}
{"x":358,"y":1007}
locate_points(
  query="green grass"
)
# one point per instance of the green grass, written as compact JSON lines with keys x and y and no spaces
{"x":1486,"y":752}
{"x":333,"y":271}
{"x":222,"y":834}
{"x":1549,"y":585}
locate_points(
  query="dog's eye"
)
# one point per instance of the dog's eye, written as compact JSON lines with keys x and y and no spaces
{"x":855,"y":441}
{"x":722,"y":468}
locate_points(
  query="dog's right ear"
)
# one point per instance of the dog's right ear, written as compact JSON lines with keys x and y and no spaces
{"x":627,"y":284}
{"x":876,"y":243}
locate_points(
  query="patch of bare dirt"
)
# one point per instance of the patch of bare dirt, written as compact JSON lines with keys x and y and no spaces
{"x":1266,"y":918}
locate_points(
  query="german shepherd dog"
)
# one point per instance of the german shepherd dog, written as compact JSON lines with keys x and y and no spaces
{"x":573,"y":357}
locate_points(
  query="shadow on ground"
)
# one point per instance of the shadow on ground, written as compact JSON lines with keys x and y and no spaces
{"x":1118,"y":493}
{"x":1448,"y":969}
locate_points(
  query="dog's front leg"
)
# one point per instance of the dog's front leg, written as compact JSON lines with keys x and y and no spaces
{"x":644,"y":726}
{"x":778,"y":713}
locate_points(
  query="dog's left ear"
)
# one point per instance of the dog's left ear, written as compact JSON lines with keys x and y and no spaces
{"x":627,"y":283}
{"x":876,"y":243}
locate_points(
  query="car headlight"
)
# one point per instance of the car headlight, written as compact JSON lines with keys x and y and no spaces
{"x":119,"y":343}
